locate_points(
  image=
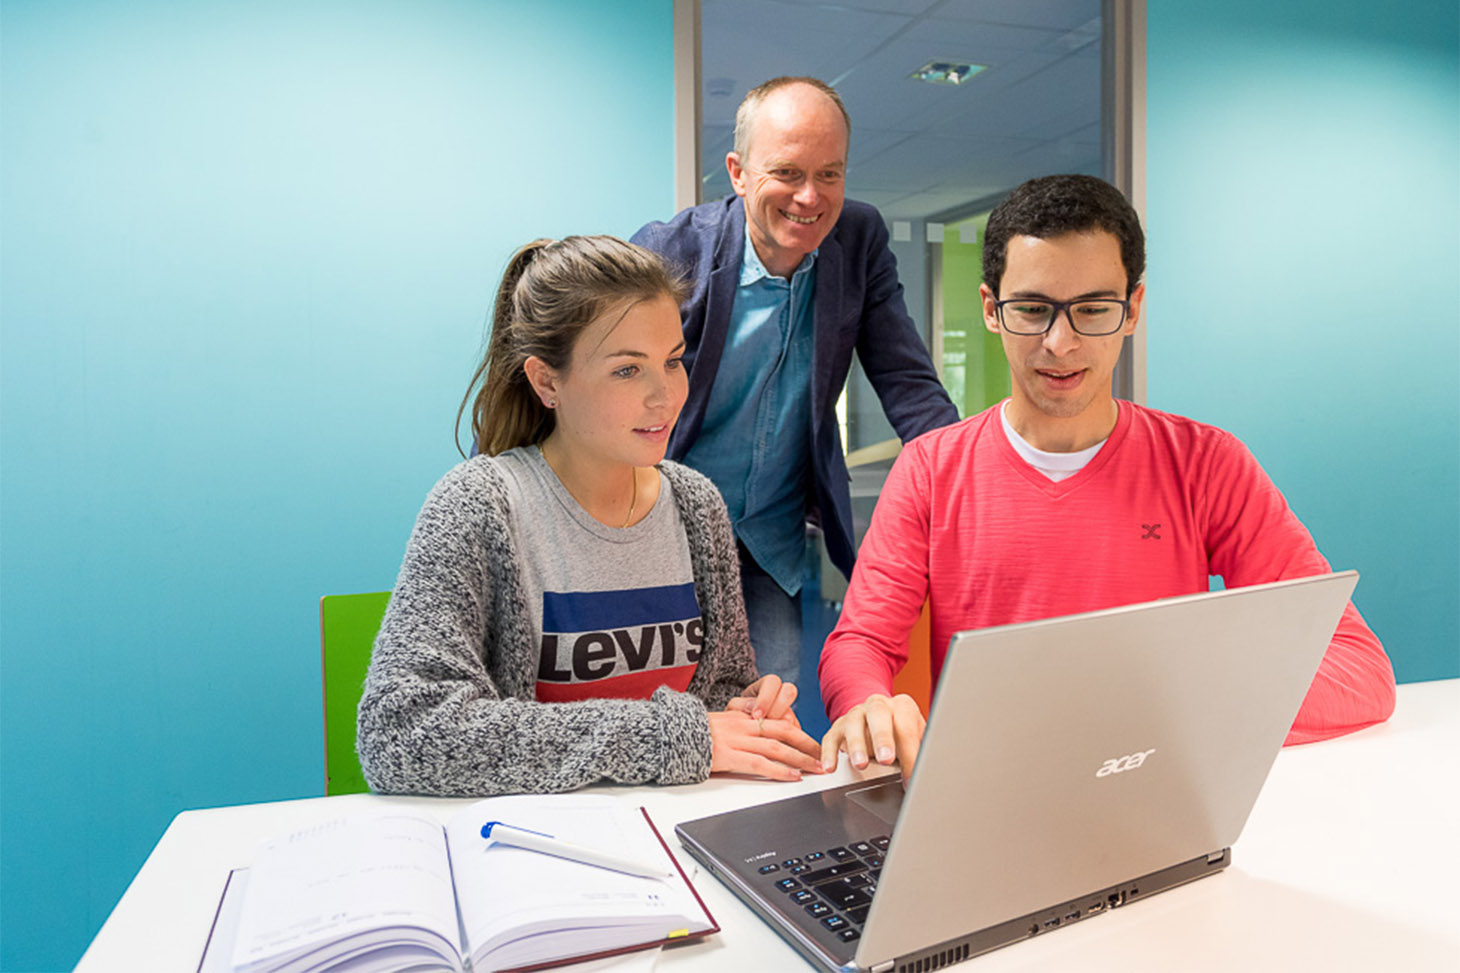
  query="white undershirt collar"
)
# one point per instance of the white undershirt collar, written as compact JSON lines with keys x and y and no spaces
{"x":1056,"y":466}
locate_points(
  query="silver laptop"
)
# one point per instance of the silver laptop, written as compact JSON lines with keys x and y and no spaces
{"x":1070,"y":766}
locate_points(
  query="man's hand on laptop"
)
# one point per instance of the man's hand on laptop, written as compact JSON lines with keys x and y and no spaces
{"x":889,"y":728}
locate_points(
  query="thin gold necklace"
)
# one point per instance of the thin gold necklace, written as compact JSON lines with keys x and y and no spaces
{"x":633,"y":496}
{"x":634,"y":484}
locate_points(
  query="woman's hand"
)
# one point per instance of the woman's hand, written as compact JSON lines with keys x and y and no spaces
{"x":766,"y":747}
{"x":766,"y":698}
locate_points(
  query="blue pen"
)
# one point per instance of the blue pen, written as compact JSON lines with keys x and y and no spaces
{"x":509,"y":834}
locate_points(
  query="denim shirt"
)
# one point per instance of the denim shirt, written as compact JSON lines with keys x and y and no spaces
{"x":755,"y":444}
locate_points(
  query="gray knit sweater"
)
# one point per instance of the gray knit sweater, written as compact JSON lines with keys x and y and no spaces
{"x":449,"y":705}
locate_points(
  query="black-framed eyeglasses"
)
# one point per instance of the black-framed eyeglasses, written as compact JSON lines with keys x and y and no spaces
{"x":1092,"y":318}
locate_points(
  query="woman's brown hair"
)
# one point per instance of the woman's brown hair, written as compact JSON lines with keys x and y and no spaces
{"x":550,"y":292}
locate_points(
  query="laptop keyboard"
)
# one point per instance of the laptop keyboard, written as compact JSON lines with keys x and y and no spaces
{"x":834,"y":886}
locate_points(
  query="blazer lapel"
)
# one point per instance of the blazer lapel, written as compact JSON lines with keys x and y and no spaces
{"x":719,"y":303}
{"x":826,"y":325}
{"x":724,"y":281}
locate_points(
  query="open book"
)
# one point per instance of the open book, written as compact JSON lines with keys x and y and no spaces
{"x":391,"y":890}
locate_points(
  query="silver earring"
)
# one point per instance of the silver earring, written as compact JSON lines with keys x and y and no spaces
{"x":552,"y":403}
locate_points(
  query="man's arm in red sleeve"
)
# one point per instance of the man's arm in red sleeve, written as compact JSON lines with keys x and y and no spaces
{"x":1354,"y":687}
{"x":868,"y":647}
{"x":1257,"y":538}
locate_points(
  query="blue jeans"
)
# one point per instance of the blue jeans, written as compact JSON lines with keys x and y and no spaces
{"x":775,"y":622}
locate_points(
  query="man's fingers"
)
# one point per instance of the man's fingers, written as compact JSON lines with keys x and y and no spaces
{"x":831,"y":744}
{"x":880,"y":720}
{"x":908,"y":727}
{"x":854,"y":736}
{"x":886,"y":729}
{"x":909,"y":740}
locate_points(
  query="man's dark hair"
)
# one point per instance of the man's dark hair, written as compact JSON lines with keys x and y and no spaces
{"x":1052,"y":206}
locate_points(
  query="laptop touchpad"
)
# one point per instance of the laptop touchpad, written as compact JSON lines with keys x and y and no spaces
{"x":883,"y":798}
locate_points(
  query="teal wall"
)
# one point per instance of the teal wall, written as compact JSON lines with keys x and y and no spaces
{"x":245,"y":255}
{"x":1303,"y":204}
{"x":248,"y":250}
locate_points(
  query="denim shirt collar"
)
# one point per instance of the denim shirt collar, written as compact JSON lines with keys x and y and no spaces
{"x":752,"y":270}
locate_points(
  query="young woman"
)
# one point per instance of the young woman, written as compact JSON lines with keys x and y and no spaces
{"x":569,"y":608}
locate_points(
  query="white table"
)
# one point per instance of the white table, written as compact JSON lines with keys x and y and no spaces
{"x":1348,"y":863}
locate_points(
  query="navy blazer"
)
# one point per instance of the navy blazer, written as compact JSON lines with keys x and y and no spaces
{"x":858,"y":304}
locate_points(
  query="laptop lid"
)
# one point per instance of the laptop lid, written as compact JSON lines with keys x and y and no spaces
{"x":1066,"y":756}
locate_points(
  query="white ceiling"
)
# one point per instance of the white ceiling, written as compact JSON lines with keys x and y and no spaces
{"x":918,"y":149}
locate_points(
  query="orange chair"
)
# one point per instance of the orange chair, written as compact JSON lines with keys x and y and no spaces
{"x":916,"y":678}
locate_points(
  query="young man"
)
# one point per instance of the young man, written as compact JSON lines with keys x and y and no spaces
{"x":788,"y":278}
{"x":1062,"y":499}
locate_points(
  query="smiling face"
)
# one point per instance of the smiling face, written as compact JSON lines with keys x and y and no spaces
{"x":1062,"y":399}
{"x":616,"y":403}
{"x":792,"y":179}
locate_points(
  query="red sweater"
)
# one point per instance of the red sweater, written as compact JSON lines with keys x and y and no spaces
{"x":966,"y":524}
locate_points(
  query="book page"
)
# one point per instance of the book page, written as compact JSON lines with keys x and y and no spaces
{"x":552,"y":907}
{"x":218,"y":954}
{"x":341,"y":882}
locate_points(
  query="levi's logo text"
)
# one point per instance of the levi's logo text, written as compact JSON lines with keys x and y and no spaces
{"x":1121,"y":764}
{"x":622,"y":644}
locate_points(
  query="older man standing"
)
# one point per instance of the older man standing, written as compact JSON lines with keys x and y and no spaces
{"x":788,"y":278}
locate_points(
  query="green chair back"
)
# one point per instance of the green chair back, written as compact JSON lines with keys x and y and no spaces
{"x":347,"y":627}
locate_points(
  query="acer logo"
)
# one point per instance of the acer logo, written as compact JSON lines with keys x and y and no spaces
{"x":1129,"y":762}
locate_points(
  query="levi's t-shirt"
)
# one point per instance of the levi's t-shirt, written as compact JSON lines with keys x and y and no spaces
{"x":613,"y":610}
